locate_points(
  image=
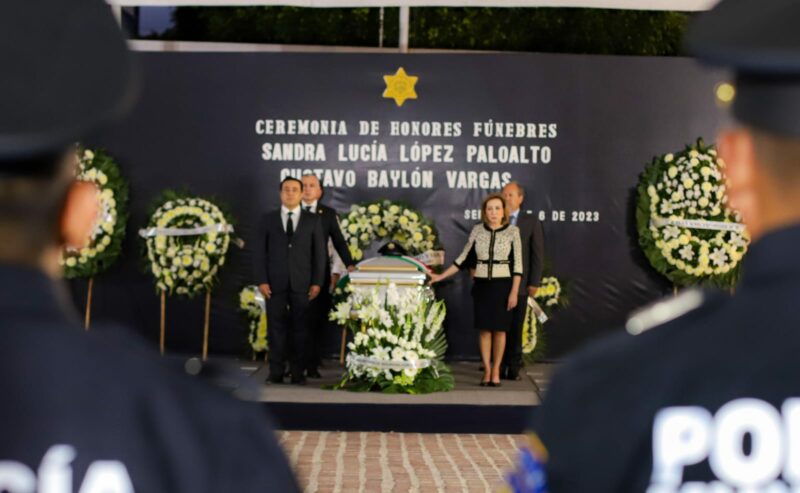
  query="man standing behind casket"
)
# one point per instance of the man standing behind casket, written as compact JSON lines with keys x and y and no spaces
{"x":530,"y":230}
{"x":289,"y":271}
{"x":332,"y":236}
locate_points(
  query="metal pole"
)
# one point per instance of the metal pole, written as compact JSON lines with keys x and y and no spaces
{"x":404,"y":16}
{"x":380,"y":31}
{"x":117,"y":11}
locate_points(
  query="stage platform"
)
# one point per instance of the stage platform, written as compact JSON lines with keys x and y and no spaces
{"x":468,"y":408}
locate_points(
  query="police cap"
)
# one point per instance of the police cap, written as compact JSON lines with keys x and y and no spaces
{"x":66,"y":69}
{"x":392,"y":249}
{"x":760,"y":41}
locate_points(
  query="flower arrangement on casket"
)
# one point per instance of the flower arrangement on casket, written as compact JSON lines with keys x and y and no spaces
{"x":550,"y":298}
{"x":105,"y":244}
{"x":386,"y":220}
{"x":398,"y":344}
{"x":187,"y":239}
{"x":253,"y":305}
{"x":686,"y":229}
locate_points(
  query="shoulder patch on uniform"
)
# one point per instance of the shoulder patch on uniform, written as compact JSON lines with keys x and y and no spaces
{"x":664,"y":311}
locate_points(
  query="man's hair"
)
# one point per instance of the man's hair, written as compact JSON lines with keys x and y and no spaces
{"x":31,"y":207}
{"x":494,"y":196}
{"x":780,"y":157}
{"x":290,"y":178}
{"x":520,"y":188}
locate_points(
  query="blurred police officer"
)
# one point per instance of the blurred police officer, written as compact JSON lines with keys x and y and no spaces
{"x":89,"y":412}
{"x":707,"y":396}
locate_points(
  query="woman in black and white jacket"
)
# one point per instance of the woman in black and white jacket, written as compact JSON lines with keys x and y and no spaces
{"x":496,"y":246}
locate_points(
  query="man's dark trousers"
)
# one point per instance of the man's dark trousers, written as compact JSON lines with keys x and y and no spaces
{"x":532,"y":236}
{"x":288,"y":324}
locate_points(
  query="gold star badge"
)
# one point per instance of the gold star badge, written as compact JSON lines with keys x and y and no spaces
{"x":400,"y":86}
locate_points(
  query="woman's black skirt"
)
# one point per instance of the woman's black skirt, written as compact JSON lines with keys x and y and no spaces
{"x":490,"y":300}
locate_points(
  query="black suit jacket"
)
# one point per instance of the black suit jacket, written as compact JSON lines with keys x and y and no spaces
{"x":291,"y":266}
{"x":330,"y":229}
{"x":532,"y":235}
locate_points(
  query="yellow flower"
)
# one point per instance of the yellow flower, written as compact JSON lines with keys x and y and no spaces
{"x":688,"y":183}
{"x":672,"y":171}
{"x":211,"y":248}
{"x":376,"y":220}
{"x":71,"y":262}
{"x":187,"y":260}
{"x":403,"y":220}
{"x":353,"y":228}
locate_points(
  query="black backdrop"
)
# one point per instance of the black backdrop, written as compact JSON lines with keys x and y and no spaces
{"x":195,"y":128}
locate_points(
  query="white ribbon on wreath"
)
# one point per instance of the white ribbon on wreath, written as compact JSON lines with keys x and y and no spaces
{"x":200,"y":230}
{"x":659,"y":222}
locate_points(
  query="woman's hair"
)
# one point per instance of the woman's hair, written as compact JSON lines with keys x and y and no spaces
{"x":494,"y":196}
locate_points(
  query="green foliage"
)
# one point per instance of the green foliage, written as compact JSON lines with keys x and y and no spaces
{"x":284,"y":25}
{"x":596,"y":31}
{"x":555,"y":30}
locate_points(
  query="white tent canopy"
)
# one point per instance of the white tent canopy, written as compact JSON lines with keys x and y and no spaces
{"x":679,"y":5}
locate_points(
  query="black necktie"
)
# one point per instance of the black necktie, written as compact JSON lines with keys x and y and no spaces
{"x":307,"y":208}
{"x":289,"y":226}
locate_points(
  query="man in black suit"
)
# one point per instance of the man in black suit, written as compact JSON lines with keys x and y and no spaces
{"x":332,"y":236}
{"x":530,"y":231}
{"x":290,"y":269}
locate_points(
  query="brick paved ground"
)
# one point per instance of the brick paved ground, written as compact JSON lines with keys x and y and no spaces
{"x":379,"y":462}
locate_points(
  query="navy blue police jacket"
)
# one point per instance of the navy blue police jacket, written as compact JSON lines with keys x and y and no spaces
{"x":97,"y":412}
{"x":709,"y":401}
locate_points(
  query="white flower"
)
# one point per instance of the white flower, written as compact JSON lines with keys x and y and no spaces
{"x":719,"y":257}
{"x":687,"y":253}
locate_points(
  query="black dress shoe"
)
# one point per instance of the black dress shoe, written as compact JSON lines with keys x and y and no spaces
{"x":314,"y":373}
{"x":495,"y":384}
{"x":511,"y":375}
{"x":275,"y":379}
{"x":484,"y":384}
{"x":301,"y":380}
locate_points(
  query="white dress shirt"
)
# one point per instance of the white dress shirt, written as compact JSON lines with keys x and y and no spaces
{"x":312,"y":205}
{"x":285,"y":216}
